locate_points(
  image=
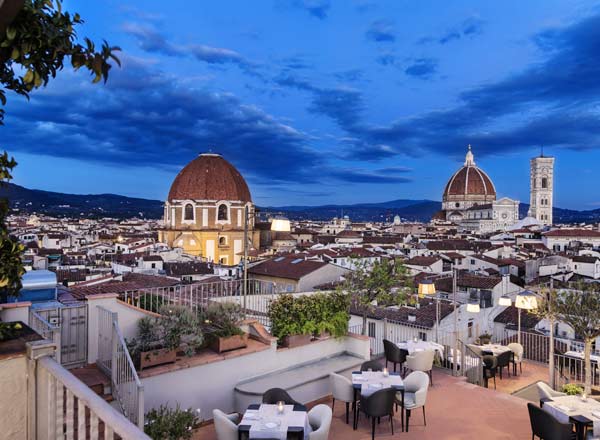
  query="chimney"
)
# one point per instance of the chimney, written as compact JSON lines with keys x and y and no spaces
{"x":412,"y":317}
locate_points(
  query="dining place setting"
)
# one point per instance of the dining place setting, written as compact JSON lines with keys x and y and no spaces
{"x":275,"y":421}
{"x":580,"y":410}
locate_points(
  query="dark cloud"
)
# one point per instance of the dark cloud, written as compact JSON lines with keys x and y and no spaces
{"x":316,"y":8}
{"x":386,"y":59}
{"x":144,"y":118}
{"x":468,"y":28}
{"x":352,"y":75}
{"x":368,"y":176}
{"x":381,"y":31}
{"x":422,"y":68}
{"x":150,"y":40}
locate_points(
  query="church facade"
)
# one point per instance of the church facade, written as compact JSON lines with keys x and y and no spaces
{"x":469,"y":201}
{"x":206,"y":210}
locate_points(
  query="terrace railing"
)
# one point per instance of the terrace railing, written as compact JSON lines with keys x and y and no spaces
{"x":255,"y":304}
{"x":64,"y":407}
{"x":46,"y":330}
{"x":568,"y":369}
{"x":115,"y":361}
{"x":536,"y":346}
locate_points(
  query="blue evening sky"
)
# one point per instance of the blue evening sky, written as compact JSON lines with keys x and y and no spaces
{"x":322,"y":101}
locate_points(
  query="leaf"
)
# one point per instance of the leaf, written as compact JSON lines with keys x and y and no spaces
{"x":28,"y":78}
{"x":11,"y":33}
{"x":15,"y":54}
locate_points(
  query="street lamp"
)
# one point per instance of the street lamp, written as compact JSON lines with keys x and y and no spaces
{"x":427,"y":287}
{"x":473,"y":306}
{"x":504,"y":300}
{"x":525,"y":300}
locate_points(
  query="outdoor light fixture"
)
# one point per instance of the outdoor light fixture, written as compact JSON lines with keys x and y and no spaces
{"x":280,"y":224}
{"x":504,"y":300}
{"x":426,"y":287}
{"x":473,"y":306}
{"x":526,"y":300}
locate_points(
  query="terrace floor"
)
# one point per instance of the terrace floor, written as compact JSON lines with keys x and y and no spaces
{"x":455,"y":410}
{"x":532,"y":372}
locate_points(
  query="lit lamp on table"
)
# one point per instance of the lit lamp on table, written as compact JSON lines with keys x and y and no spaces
{"x":525,"y":300}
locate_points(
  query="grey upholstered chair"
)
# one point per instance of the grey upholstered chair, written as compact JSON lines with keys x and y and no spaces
{"x":416,"y":385}
{"x":342,"y":390}
{"x":421,"y":361}
{"x":320,"y":421}
{"x":225,"y":425}
{"x":547,"y":393}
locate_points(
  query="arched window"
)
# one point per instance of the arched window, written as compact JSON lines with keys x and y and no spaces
{"x":188,"y":212}
{"x":544,"y":182}
{"x":223,"y":241}
{"x":222,"y":212}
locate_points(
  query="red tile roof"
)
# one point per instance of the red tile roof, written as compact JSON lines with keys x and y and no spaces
{"x":291,"y":267}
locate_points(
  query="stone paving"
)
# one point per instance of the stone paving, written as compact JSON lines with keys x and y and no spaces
{"x":455,"y":410}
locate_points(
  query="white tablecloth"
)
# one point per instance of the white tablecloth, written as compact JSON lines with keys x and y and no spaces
{"x":412,"y":346}
{"x":371,"y":381}
{"x":563,"y":407}
{"x":579,"y":355}
{"x":260,"y":420}
{"x":495,"y":349}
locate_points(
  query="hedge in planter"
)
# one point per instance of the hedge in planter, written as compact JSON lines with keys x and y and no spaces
{"x":159,"y":339}
{"x":309,"y":314}
{"x":220,"y":324}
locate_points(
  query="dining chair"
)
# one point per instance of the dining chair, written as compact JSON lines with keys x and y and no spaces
{"x":342,"y":389}
{"x":274,"y":395}
{"x":371,"y":365}
{"x":517,"y":350}
{"x":421,"y":361}
{"x":416,"y":385}
{"x":490,"y":364}
{"x":319,"y":419}
{"x":504,"y":360}
{"x":394,"y":354}
{"x":225,"y":425}
{"x":545,"y":392}
{"x":545,"y":426}
{"x":377,"y":405}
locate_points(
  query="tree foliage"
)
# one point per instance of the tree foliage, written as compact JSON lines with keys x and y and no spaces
{"x":34,"y":47}
{"x":384,"y":282}
{"x":580,"y":309}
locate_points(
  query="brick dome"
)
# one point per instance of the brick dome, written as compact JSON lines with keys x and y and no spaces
{"x":470,"y":180}
{"x":209,"y":177}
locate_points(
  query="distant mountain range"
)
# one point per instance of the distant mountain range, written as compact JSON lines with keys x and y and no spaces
{"x":26,"y":200}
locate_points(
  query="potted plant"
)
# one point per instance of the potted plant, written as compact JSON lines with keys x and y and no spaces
{"x":161,"y":338}
{"x":220,"y":323}
{"x":164,"y":423}
{"x":485,"y":338}
{"x":571,"y":389}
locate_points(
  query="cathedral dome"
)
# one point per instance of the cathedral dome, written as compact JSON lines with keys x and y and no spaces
{"x":470,"y":180}
{"x":209,"y":177}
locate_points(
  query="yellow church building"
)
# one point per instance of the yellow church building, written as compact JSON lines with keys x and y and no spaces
{"x":205,"y":211}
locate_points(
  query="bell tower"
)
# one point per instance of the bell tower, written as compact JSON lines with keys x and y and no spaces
{"x":542,"y":188}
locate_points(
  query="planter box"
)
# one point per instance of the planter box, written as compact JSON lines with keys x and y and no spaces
{"x":323,"y":335}
{"x":228,"y":343}
{"x":157,"y":357}
{"x":295,"y":340}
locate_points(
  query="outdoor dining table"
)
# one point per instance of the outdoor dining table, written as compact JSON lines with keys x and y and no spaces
{"x":264,"y":421}
{"x":574,"y":409}
{"x":495,"y":349}
{"x":366,"y":383}
{"x":414,"y":346}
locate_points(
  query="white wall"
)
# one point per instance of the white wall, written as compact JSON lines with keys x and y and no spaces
{"x":212,"y":385}
{"x":13,"y":400}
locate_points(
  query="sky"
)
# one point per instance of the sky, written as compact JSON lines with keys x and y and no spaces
{"x":322,"y":101}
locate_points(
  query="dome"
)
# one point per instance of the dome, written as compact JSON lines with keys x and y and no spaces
{"x":470,"y":180}
{"x":209,"y":177}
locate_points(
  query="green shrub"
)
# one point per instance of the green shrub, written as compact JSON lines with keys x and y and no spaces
{"x":309,"y":314}
{"x":221,"y":319}
{"x":167,"y":423}
{"x":572,"y":389}
{"x":151,"y":302}
{"x":178,"y":328}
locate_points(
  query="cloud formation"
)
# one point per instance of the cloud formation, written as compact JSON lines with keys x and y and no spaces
{"x":316,"y":8}
{"x":422,"y":68}
{"x":381,"y":31}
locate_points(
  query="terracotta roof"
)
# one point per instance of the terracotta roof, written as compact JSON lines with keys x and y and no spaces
{"x":470,"y":180}
{"x":424,"y":316}
{"x":291,"y":267}
{"x":348,"y":233}
{"x":573,"y":233}
{"x":209,"y":177}
{"x":585,"y":259}
{"x":457,"y":245}
{"x":422,"y":261}
{"x":510,"y":315}
{"x":131,"y":282}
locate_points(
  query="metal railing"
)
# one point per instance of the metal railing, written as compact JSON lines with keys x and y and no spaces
{"x":46,"y":330}
{"x":255,"y":304}
{"x":471,"y":365}
{"x":570,"y":369}
{"x":66,"y":408}
{"x":114,"y":359}
{"x":536,"y":346}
